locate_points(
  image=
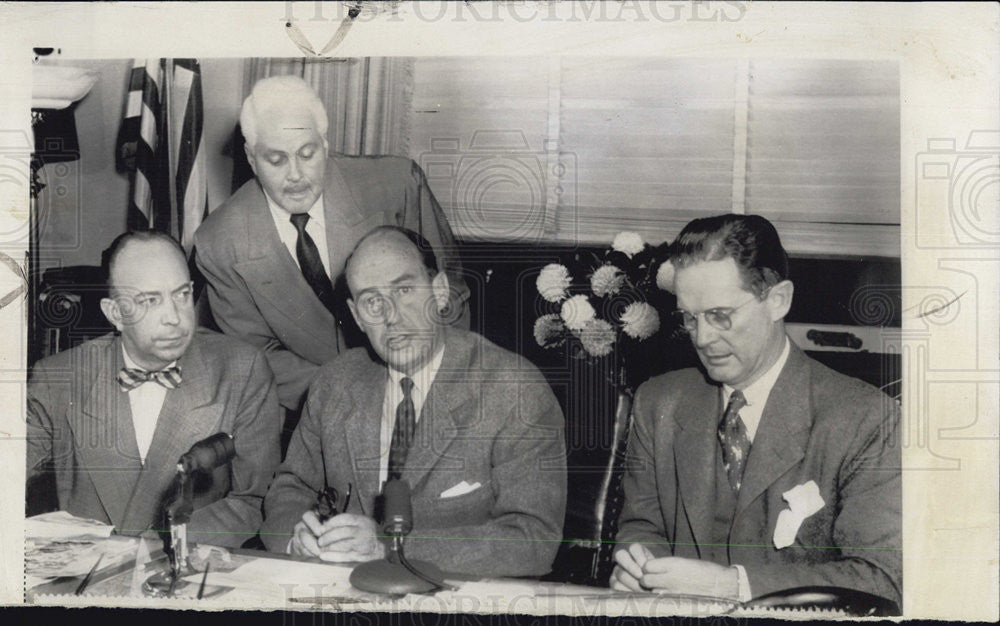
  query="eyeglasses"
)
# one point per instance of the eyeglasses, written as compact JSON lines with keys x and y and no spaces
{"x":720,"y":318}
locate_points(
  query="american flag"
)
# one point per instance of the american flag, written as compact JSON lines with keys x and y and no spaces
{"x":160,"y":144}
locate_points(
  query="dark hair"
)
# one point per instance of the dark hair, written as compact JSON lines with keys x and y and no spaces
{"x":749,"y":240}
{"x":113,"y":251}
{"x":423,"y":246}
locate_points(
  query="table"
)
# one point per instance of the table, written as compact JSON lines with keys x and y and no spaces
{"x":249,"y":579}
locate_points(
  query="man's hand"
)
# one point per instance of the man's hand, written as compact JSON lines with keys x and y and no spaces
{"x":628,"y":569}
{"x":679,"y":575}
{"x":342,"y":538}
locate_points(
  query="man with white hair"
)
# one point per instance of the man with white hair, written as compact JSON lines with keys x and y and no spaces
{"x":274,"y":250}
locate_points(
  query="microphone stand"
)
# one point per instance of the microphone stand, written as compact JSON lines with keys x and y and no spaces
{"x":205,"y":455}
{"x":437,"y":585}
{"x":395,"y":574}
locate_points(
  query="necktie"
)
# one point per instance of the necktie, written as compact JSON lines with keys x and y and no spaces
{"x":402,"y":434}
{"x":310,"y":262}
{"x":130,"y":378}
{"x":734,"y":439}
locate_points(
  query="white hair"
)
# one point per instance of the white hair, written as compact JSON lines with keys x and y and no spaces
{"x":276,"y":93}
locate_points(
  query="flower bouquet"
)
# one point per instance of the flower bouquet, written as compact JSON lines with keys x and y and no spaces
{"x":612,"y":306}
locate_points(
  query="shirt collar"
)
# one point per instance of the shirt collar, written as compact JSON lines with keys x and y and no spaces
{"x":281,"y":215}
{"x":757,"y":393}
{"x":422,"y":378}
{"x":129,"y":363}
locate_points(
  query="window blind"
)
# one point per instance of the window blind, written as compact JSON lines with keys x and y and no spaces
{"x":576,"y":149}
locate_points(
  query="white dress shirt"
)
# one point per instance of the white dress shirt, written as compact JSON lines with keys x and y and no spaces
{"x":422,"y":380}
{"x":316,"y":227}
{"x":757,"y":393}
{"x":756,"y":397}
{"x":146,"y":400}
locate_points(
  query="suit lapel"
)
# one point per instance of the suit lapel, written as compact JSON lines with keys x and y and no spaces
{"x":271,"y":271}
{"x":106,"y":439}
{"x":448,"y":407}
{"x":363,"y":428}
{"x":187,"y":416}
{"x":783,"y":433}
{"x":694,"y":452}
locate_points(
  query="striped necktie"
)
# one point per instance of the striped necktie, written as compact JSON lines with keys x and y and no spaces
{"x":734,"y":439}
{"x":402,"y":433}
{"x":129,"y":378}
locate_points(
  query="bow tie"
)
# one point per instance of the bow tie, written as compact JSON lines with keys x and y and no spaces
{"x":129,"y":378}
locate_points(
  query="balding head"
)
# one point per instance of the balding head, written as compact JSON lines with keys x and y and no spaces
{"x":150,"y":297}
{"x":397,"y":296}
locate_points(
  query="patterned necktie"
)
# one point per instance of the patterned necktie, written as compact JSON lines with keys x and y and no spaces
{"x":402,"y":434}
{"x":734,"y":439}
{"x":130,"y":378}
{"x":311,"y":264}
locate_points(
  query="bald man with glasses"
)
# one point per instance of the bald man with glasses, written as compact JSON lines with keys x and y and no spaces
{"x":762,"y":471}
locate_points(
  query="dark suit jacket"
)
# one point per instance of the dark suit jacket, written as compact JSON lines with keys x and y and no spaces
{"x":258,"y":294}
{"x":817,"y":425}
{"x":490,"y":417}
{"x":80,"y":420}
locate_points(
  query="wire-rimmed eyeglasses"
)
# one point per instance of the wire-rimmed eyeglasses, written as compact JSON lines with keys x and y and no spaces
{"x":720,"y":318}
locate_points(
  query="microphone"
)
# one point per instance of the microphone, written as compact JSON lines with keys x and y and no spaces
{"x":208,"y":454}
{"x":395,"y":574}
{"x":398,"y":509}
{"x":204,"y":456}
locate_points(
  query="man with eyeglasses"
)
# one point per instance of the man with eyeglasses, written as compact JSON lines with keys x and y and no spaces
{"x":108,"y":419}
{"x":762,"y":471}
{"x":473,"y":429}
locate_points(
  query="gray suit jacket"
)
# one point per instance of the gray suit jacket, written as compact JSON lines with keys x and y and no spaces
{"x":490,"y":417}
{"x":80,"y":421}
{"x":258,"y":294}
{"x":817,"y":425}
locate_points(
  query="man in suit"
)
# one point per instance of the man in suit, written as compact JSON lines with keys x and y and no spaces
{"x":111,"y":417}
{"x":474,"y":430}
{"x":764,"y":471}
{"x":272,"y":252}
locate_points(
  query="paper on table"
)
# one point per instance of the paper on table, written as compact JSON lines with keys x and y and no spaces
{"x":492,"y":588}
{"x":293,"y":577}
{"x":63,"y":524}
{"x":51,"y":558}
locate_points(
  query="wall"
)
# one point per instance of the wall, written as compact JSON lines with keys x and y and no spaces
{"x":83,"y":206}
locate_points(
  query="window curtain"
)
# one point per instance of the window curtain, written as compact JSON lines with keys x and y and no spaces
{"x":367,"y":102}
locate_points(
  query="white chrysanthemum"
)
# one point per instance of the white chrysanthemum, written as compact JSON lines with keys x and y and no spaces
{"x":549,"y":330}
{"x":606,"y":280}
{"x":640,"y":320}
{"x":665,"y":276}
{"x":576,"y":312}
{"x":553,"y":282}
{"x":597,"y":337}
{"x":628,"y":242}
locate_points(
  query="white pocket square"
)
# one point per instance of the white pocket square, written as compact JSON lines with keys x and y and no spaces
{"x":803,"y":501}
{"x":460,"y":489}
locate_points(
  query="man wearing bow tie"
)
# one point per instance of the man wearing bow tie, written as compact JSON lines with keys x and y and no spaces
{"x":474,"y":430}
{"x":762,"y":471}
{"x":110,"y":417}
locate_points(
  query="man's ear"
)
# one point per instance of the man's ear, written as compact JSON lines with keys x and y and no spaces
{"x":354,"y":313}
{"x":111,"y":311}
{"x":251,"y":159}
{"x":441,"y":290}
{"x":779,"y":299}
